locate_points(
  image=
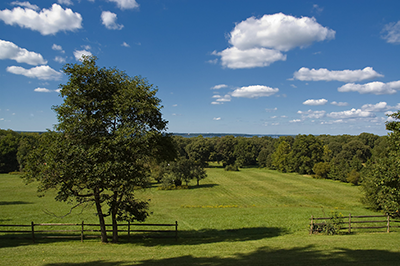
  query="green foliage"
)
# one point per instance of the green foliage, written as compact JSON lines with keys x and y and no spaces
{"x":27,"y":143}
{"x":322,"y":169}
{"x":306,"y":151}
{"x":182,"y":170}
{"x":231,"y":168}
{"x":280,"y":158}
{"x":353,"y":177}
{"x":381,"y":177}
{"x":226,"y":148}
{"x":9,"y":141}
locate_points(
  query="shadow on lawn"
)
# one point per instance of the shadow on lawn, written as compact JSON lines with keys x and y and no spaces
{"x":191,"y":237}
{"x":14,"y":202}
{"x":307,"y":255}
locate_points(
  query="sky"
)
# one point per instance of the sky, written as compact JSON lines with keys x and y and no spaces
{"x":226,"y":66}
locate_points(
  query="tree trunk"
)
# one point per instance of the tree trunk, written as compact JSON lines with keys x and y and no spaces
{"x":101,"y":216}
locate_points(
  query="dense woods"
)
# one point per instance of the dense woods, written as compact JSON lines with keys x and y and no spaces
{"x":341,"y":157}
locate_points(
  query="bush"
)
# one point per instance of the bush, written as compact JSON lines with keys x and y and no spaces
{"x":331,"y":226}
{"x":231,"y":168}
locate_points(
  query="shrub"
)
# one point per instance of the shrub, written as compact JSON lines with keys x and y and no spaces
{"x":231,"y":168}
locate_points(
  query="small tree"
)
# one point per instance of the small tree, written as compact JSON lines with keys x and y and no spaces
{"x":110,"y":125}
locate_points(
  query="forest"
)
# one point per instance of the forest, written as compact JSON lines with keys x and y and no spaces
{"x":339,"y":157}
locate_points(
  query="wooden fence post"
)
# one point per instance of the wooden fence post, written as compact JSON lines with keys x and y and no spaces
{"x":129,"y":229}
{"x":349,"y":223}
{"x":176,"y":230}
{"x":388,"y":223}
{"x":312,"y":225}
{"x":82,"y":231}
{"x":33,"y":231}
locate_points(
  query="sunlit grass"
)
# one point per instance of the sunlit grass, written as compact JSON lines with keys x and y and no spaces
{"x":251,"y":217}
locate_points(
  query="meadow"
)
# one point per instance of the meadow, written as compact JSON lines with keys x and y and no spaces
{"x":250,"y":217}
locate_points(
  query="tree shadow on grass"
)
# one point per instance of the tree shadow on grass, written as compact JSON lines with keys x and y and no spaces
{"x":206,"y":236}
{"x":308,"y":255}
{"x":203,"y":186}
{"x":190,"y":237}
{"x":14,"y":202}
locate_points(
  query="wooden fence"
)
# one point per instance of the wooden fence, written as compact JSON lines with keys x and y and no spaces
{"x":84,"y":231}
{"x":357,"y":222}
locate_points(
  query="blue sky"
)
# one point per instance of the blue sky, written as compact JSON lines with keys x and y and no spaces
{"x":226,"y":66}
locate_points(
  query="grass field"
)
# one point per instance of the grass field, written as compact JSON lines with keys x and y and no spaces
{"x":250,"y":217}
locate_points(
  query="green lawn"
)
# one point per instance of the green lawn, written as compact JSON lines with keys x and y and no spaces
{"x":250,"y":217}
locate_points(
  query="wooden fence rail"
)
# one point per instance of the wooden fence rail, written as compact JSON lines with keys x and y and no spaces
{"x":84,"y":229}
{"x":353,"y":222}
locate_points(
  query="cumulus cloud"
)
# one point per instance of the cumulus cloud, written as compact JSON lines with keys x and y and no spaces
{"x":375,"y":87}
{"x":379,"y":107}
{"x":391,"y":32}
{"x":65,"y":2}
{"x":312,"y":114}
{"x":259,"y":42}
{"x":9,"y":50}
{"x":221,"y":99}
{"x":42,"y":90}
{"x":278,"y":31}
{"x":220,"y":86}
{"x":126,"y":4}
{"x":124,"y":44}
{"x":25,"y":4}
{"x":255,"y":91}
{"x":256,"y":57}
{"x":315,"y":102}
{"x":47,"y":21}
{"x":217,"y":118}
{"x":353,"y":113}
{"x":57,"y":47}
{"x":109,"y":20}
{"x":339,"y":103}
{"x":40,"y":72}
{"x":79,"y":53}
{"x":60,"y":59}
{"x":306,"y":74}
{"x":295,"y":121}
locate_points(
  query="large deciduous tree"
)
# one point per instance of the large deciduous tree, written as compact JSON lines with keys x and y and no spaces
{"x":381,"y":176}
{"x":110,"y":127}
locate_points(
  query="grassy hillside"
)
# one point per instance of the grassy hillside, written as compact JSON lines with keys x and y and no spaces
{"x":250,"y":217}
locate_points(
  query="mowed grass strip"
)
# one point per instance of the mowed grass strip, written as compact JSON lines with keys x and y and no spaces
{"x":251,"y":217}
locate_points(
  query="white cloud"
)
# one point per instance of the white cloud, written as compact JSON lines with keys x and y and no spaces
{"x":47,"y":21}
{"x":255,"y":91}
{"x":375,"y":87}
{"x":220,"y":86}
{"x":346,"y":75}
{"x":60,"y":59}
{"x":255,"y":57}
{"x":315,"y":102}
{"x":57,"y":47}
{"x":79,"y":53}
{"x":339,"y":103}
{"x":259,"y":42}
{"x":379,"y":107}
{"x":312,"y":114}
{"x":278,"y":31}
{"x":392,"y":32}
{"x":271,"y":110}
{"x":221,"y":99}
{"x":25,"y":4}
{"x":125,"y":44}
{"x":217,"y":118}
{"x":353,"y":113}
{"x":42,"y":90}
{"x":9,"y":50}
{"x":295,"y":121}
{"x":109,"y":20}
{"x":65,"y":2}
{"x":125,"y":4}
{"x":40,"y":72}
